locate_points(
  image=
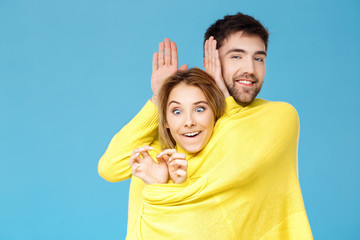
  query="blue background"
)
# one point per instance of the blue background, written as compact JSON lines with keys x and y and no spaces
{"x":72,"y":73}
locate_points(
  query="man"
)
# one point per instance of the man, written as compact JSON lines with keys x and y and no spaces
{"x":244,"y":184}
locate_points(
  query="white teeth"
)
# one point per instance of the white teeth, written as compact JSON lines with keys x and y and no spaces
{"x":191,"y":134}
{"x":244,"y":81}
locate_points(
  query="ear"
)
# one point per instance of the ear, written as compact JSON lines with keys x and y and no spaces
{"x":166,"y":125}
{"x":204,"y":62}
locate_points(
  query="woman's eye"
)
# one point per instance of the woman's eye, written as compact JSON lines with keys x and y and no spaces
{"x":200,"y":109}
{"x":176,"y":111}
{"x":236,"y":57}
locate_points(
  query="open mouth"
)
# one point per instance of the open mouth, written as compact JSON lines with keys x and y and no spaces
{"x":192,"y":134}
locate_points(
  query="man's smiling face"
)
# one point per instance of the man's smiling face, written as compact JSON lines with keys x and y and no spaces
{"x":242,"y":58}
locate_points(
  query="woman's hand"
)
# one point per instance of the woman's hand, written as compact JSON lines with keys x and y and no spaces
{"x":146,"y":168}
{"x":164,"y":64}
{"x":177,"y":164}
{"x":212,"y":64}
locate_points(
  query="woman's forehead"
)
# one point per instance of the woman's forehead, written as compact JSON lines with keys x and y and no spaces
{"x":183,"y":94}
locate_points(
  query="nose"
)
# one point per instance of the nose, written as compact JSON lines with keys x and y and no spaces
{"x":248,"y":66}
{"x":190,"y":121}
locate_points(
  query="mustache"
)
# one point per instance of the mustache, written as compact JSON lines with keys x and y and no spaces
{"x":247,"y":76}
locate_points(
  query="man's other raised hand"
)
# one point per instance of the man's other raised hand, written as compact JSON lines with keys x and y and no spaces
{"x":164,"y":64}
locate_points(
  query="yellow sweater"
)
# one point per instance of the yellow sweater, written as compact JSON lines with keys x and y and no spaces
{"x":242,"y":185}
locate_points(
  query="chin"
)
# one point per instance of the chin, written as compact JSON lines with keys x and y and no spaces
{"x":193,"y":149}
{"x":244,"y":99}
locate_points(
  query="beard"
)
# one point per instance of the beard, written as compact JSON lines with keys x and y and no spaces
{"x":244,"y":95}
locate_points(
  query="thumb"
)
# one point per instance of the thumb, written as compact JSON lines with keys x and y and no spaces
{"x":161,"y":160}
{"x":183,"y":67}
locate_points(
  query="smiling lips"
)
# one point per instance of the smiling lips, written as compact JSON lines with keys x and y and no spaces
{"x":192,"y":134}
{"x":245,"y":82}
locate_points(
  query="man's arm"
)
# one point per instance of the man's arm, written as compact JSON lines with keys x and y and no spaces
{"x":142,"y":130}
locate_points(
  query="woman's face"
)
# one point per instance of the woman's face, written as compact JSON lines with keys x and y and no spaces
{"x":189,"y":117}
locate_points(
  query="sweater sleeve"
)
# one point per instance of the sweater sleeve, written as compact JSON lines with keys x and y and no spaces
{"x":141,"y":130}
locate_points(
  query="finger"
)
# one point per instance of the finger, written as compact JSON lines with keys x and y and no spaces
{"x":143,"y":150}
{"x":168,"y":152}
{"x":217,"y":61}
{"x":135,"y":157}
{"x":179,"y":164}
{"x":177,"y":155}
{"x":167,"y":52}
{"x":213,"y":47}
{"x":183,"y":67}
{"x":210,"y":52}
{"x":161,"y":160}
{"x":206,"y":52}
{"x":135,"y":169}
{"x":155,"y":61}
{"x":174,"y":54}
{"x":180,"y":173}
{"x":145,"y":154}
{"x":161,"y":54}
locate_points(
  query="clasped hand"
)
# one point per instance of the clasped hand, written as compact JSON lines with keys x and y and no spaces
{"x":169,"y":163}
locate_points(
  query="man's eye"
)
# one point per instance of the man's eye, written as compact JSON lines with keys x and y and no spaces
{"x":176,"y":111}
{"x":259,"y":59}
{"x":236,"y":57}
{"x":200,"y":109}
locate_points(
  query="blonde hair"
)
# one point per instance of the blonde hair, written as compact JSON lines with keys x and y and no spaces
{"x":192,"y":77}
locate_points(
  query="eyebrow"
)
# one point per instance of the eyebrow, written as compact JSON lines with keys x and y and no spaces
{"x":204,"y":102}
{"x":173,"y":102}
{"x":243,"y":51}
{"x":196,"y":103}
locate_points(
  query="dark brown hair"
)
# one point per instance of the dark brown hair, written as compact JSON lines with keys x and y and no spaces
{"x":223,"y":28}
{"x":192,"y":77}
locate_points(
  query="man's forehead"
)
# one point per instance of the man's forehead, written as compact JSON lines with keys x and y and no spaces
{"x":240,"y":36}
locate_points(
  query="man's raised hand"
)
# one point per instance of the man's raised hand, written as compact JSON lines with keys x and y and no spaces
{"x":212,"y":64}
{"x":164,"y":64}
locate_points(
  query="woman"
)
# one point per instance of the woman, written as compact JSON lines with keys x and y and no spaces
{"x":189,"y":103}
{"x":241,"y":185}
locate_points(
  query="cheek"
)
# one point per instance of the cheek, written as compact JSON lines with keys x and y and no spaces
{"x":228,"y":71}
{"x":208,"y":121}
{"x":172,"y":123}
{"x":260,"y":71}
{"x":224,"y":67}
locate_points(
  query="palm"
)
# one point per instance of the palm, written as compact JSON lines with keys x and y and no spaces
{"x":212,"y":64}
{"x":153,"y":172}
{"x":164,"y":64}
{"x":159,"y":76}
